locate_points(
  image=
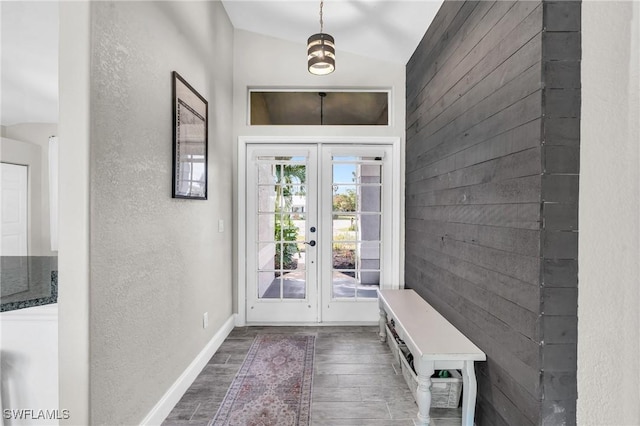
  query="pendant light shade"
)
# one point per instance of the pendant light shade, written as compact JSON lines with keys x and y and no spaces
{"x":321,"y":54}
{"x":321,"y":51}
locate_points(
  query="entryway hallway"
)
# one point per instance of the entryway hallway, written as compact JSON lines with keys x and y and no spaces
{"x":355,"y":380}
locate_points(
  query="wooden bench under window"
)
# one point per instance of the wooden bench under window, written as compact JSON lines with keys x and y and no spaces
{"x":434,"y":343}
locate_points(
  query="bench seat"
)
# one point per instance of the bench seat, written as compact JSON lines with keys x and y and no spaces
{"x":435,"y":345}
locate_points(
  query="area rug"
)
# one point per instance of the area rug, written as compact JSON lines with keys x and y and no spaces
{"x":273,"y":386}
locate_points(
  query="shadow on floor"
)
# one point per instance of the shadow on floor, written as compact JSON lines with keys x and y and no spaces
{"x":293,"y":287}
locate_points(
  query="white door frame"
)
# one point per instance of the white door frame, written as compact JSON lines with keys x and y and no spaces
{"x":396,"y":210}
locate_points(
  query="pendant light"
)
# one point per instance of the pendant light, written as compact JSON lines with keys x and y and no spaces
{"x":321,"y":51}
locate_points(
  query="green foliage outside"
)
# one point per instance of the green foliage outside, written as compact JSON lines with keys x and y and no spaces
{"x":290,"y":178}
{"x":285,"y":251}
{"x":345,"y":202}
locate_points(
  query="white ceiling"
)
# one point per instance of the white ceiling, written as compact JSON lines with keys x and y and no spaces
{"x":384,"y":29}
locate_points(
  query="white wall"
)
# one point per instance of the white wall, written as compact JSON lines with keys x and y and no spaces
{"x":29,"y":358}
{"x":609,"y":294}
{"x":156,"y":264}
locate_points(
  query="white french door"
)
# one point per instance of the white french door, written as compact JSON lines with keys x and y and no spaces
{"x":282,"y":248}
{"x":356,"y":222}
{"x":319,"y":231}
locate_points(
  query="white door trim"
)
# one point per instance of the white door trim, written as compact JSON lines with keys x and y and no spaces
{"x":241,"y":218}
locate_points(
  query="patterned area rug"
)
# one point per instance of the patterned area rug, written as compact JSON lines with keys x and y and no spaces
{"x":273,"y":386}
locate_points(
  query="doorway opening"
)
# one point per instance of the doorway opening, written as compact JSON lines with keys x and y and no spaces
{"x":319,"y":236}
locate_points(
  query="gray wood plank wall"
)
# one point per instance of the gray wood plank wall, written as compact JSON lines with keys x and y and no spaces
{"x":493,"y":108}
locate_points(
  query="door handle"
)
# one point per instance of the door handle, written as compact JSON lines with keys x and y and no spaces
{"x":312,"y":243}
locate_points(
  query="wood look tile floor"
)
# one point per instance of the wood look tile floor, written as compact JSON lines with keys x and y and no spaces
{"x":355,"y":381}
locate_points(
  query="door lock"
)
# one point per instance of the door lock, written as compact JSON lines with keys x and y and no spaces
{"x":313,"y":229}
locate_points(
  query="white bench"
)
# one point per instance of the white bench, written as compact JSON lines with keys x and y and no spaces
{"x":435,"y":345}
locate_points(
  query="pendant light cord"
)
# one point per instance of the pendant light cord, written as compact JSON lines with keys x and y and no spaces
{"x":321,"y":22}
{"x":322,"y":96}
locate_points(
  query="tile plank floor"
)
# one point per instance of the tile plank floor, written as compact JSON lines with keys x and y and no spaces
{"x":356,"y":381}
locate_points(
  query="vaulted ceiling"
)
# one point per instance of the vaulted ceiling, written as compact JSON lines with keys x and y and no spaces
{"x":384,"y":29}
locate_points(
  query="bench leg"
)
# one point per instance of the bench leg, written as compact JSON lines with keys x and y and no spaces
{"x":382,"y":322}
{"x":469,"y":392}
{"x":423,"y":394}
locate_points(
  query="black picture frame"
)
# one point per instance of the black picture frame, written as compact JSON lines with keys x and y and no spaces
{"x":190,"y":141}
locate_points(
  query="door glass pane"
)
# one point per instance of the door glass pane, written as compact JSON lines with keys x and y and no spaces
{"x":344,"y":258}
{"x":357,"y":219}
{"x":370,"y":227}
{"x":281,"y":226}
{"x":369,"y":257}
{"x":268,"y":285}
{"x":267,"y":198}
{"x":266,"y":227}
{"x":344,"y":173}
{"x":290,"y":255}
{"x":345,"y":198}
{"x":294,"y":285}
{"x":267,"y":257}
{"x":370,"y":198}
{"x":343,"y":285}
{"x":266,"y":173}
{"x":345,"y":227}
{"x":368,"y":290}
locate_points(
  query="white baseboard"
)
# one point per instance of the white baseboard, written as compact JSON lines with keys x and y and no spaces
{"x":240,"y":322}
{"x":162,"y":409}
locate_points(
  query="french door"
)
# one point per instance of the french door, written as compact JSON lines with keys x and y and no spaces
{"x":318,"y":232}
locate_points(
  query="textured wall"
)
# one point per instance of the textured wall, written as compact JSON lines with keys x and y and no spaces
{"x":609,"y":300}
{"x":491,"y":196}
{"x":157,"y":263}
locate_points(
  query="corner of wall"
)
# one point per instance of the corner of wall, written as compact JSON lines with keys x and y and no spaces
{"x":560,"y":157}
{"x":609,"y":244}
{"x":73,"y":299}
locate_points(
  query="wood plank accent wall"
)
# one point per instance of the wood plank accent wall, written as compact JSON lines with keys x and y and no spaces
{"x":493,"y":107}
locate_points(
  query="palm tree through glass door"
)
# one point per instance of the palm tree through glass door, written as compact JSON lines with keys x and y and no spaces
{"x":284,"y":213}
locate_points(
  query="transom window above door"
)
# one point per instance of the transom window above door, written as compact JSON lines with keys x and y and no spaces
{"x":319,"y":108}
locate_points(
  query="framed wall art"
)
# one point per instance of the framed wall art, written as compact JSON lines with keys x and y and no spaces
{"x":190,"y":126}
